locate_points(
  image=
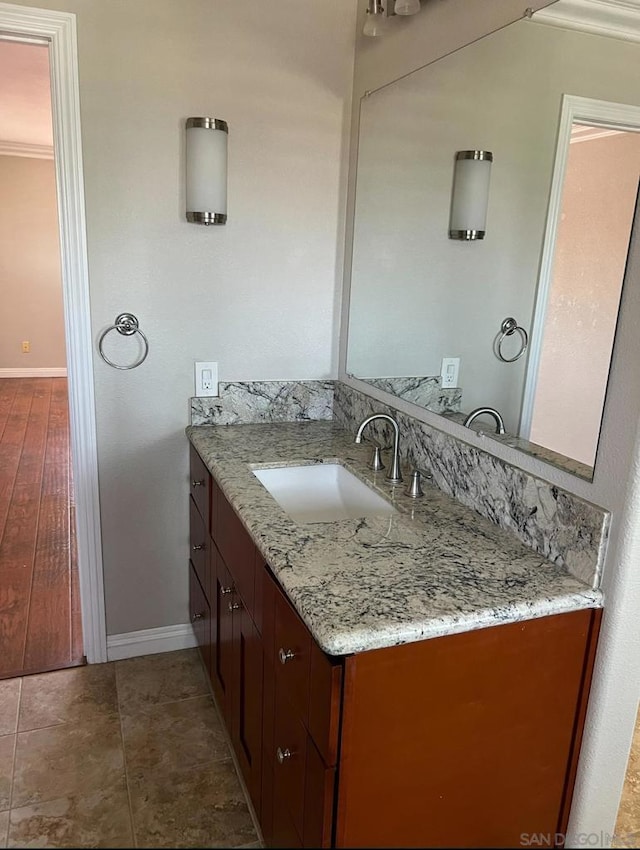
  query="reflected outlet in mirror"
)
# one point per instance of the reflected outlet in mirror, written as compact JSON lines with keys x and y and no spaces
{"x":322,"y":492}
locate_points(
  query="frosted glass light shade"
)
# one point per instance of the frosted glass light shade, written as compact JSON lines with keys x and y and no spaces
{"x":470,"y":196}
{"x":206,"y":156}
{"x":407,"y":7}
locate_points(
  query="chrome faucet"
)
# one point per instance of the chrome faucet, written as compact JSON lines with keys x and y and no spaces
{"x":491,"y":412}
{"x":394,"y":475}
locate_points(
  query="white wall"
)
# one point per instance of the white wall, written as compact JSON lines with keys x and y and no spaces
{"x":30,"y":283}
{"x":259,"y":295}
{"x":616,"y":483}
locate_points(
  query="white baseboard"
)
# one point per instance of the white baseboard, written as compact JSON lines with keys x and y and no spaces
{"x":150,"y":641}
{"x":40,"y":372}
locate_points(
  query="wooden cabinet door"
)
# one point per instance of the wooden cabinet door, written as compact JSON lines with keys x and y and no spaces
{"x":246,"y":730}
{"x":200,"y":615}
{"x":222,"y":636}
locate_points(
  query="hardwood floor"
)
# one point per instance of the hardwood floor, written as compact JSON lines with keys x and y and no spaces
{"x":39,"y":605}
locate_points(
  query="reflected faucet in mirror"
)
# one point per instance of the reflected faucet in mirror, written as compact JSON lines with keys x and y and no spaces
{"x":394,"y":475}
{"x":489,"y":411}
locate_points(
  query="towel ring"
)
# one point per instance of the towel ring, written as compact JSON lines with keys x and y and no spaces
{"x":508,"y":327}
{"x":127,"y":325}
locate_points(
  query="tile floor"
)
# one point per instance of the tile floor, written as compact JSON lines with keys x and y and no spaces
{"x":126,"y":754}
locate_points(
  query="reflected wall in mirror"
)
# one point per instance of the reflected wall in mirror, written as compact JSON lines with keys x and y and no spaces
{"x":561,"y":199}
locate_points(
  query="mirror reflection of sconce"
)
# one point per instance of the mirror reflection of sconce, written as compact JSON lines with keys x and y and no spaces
{"x":376,"y":14}
{"x":206,"y":156}
{"x":470,"y":196}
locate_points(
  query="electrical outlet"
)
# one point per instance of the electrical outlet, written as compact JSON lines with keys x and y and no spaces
{"x":449,"y":372}
{"x":26,"y":346}
{"x":206,"y":379}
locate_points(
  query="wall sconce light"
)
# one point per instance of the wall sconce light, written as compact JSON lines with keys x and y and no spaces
{"x":375,"y":18}
{"x":470,"y":196}
{"x":206,"y":156}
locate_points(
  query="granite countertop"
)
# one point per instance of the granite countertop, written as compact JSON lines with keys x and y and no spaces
{"x":433,"y":568}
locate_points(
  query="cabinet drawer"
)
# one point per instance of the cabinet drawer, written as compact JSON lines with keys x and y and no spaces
{"x":199,"y":483}
{"x":238,"y":551}
{"x":199,"y":547}
{"x":292,"y":660}
{"x":200,"y":615}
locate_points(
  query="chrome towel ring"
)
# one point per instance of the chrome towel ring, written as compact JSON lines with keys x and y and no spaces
{"x":508,"y":327}
{"x":127,"y":325}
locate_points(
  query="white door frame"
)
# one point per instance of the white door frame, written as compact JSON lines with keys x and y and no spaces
{"x":24,"y":23}
{"x":579,"y":110}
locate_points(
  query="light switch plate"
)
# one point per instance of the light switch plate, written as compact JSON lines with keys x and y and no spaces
{"x":206,"y":379}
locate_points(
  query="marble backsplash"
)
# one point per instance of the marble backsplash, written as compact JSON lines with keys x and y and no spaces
{"x":423,"y":390}
{"x":246,"y":402}
{"x":560,"y":526}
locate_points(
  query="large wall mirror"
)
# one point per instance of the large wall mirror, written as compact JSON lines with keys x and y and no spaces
{"x":559,"y":111}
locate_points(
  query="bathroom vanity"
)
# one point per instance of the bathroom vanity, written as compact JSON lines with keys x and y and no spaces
{"x":417,"y":679}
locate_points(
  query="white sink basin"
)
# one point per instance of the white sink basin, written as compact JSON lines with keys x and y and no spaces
{"x":322,"y":492}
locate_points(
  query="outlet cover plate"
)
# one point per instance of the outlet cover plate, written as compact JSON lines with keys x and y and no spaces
{"x":206,"y":378}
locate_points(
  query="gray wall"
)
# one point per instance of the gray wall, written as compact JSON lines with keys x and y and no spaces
{"x":259,"y":295}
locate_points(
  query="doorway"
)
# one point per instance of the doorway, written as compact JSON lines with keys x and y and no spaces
{"x":40,"y":625}
{"x":57,"y":30}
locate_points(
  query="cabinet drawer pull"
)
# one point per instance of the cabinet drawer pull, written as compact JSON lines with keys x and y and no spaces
{"x":225,"y":590}
{"x":199,"y":547}
{"x":197,"y":616}
{"x":283,"y":755}
{"x":285,"y":655}
{"x":233,"y":606}
{"x":196,"y":483}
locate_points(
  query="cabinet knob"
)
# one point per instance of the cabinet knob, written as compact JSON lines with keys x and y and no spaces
{"x":225,"y":590}
{"x":283,"y":755}
{"x":196,"y":483}
{"x":233,"y":606}
{"x":197,"y":616}
{"x":285,"y":655}
{"x":198,"y":547}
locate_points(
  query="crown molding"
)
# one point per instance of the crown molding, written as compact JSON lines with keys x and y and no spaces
{"x":612,"y":18}
{"x":25,"y":149}
{"x":587,"y":133}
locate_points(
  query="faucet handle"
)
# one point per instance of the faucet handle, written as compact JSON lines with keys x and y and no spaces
{"x":414,"y":488}
{"x":375,"y":461}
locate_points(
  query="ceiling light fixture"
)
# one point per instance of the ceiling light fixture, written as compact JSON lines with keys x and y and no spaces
{"x":375,"y":19}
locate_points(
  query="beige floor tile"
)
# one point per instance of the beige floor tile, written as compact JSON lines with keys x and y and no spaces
{"x":174,"y":735}
{"x":4,"y":828}
{"x":94,"y":820}
{"x":79,"y":694}
{"x":200,"y":807}
{"x":66,"y":760}
{"x":154,"y":679}
{"x":9,"y":701}
{"x":7,"y":747}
